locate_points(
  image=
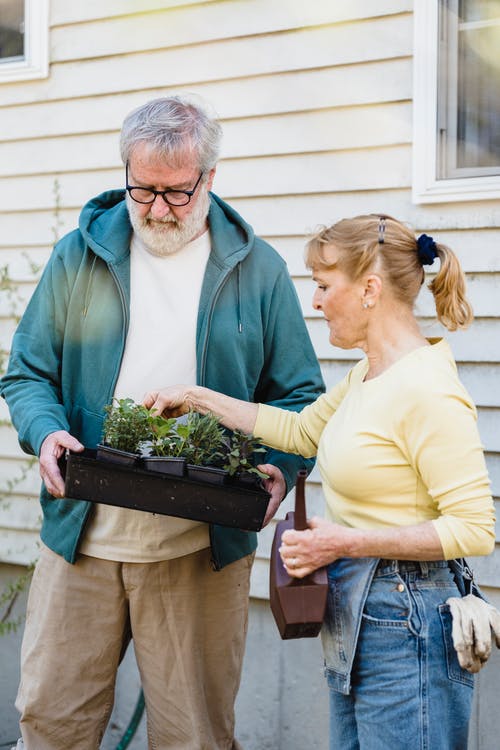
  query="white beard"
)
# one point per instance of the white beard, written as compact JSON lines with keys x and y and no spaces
{"x":169,"y":235}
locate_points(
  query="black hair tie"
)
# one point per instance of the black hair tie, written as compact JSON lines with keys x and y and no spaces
{"x":426,"y":249}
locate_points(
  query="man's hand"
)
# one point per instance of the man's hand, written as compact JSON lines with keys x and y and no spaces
{"x":276,"y":485}
{"x":52,"y":449}
{"x":475,"y":622}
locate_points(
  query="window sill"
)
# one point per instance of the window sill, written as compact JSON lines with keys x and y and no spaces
{"x":461,"y":189}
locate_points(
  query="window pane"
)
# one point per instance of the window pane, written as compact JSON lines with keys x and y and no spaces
{"x":11,"y":29}
{"x":478,"y":101}
{"x":478,"y":98}
{"x":478,"y":10}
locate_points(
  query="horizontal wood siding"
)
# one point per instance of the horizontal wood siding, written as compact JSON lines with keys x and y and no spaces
{"x":316,"y":104}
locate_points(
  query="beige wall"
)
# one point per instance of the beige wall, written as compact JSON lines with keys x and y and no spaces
{"x":316,"y":103}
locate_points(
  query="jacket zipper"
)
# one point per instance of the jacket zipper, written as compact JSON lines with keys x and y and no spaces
{"x":125,"y":329}
{"x":209,"y":323}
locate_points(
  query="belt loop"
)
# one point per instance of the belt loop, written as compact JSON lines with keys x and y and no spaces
{"x":424,"y":568}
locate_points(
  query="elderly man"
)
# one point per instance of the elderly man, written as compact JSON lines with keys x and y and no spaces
{"x":162,"y":283}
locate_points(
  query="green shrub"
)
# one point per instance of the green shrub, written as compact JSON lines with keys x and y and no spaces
{"x":127,"y":425}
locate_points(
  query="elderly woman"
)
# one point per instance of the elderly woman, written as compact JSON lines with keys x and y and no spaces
{"x":405,"y":484}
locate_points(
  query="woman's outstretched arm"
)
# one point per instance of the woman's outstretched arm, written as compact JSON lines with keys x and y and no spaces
{"x":176,"y":400}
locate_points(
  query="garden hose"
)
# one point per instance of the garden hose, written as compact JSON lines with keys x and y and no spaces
{"x":133,"y":724}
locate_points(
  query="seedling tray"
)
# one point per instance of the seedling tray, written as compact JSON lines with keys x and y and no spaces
{"x":236,"y":505}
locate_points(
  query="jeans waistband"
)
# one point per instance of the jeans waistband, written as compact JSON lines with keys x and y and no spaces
{"x":408,"y":566}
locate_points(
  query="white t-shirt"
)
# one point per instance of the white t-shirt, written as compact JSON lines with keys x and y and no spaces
{"x":160,"y":350}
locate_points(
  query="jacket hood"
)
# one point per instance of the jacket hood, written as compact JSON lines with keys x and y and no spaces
{"x":106,"y":228}
{"x":105,"y":225}
{"x":232,"y":238}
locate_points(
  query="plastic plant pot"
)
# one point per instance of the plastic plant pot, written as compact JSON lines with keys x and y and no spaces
{"x":116,"y":456}
{"x":210,"y":474}
{"x":173,"y":465}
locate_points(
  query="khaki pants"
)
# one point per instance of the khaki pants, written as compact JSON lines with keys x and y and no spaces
{"x":188,"y":624}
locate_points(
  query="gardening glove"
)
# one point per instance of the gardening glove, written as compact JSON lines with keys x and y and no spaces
{"x":474,"y":623}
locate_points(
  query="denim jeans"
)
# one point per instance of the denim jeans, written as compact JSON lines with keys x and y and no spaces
{"x":408,"y":691}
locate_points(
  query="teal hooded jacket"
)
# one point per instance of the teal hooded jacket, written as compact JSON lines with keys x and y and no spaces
{"x":252,"y":343}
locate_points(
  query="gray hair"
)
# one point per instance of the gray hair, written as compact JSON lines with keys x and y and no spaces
{"x":172,"y":126}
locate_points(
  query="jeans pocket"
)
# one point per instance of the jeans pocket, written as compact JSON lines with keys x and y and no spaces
{"x":388,"y":604}
{"x":455,"y":671}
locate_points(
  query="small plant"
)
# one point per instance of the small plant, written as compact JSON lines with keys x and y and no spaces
{"x":241,"y":452}
{"x":127,"y":425}
{"x":164,"y":438}
{"x":202,"y":440}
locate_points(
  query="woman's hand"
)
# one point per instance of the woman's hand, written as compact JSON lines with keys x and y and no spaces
{"x":303,"y":552}
{"x":177,"y":400}
{"x":170,"y":402}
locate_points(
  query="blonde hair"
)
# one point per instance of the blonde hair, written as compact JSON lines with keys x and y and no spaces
{"x":380,"y":242}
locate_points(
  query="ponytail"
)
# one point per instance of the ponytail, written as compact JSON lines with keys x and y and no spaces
{"x":448,"y":288}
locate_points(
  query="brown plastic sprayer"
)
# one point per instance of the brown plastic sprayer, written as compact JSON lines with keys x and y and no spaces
{"x":298,"y":604}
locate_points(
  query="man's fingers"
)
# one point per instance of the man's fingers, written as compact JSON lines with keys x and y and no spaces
{"x":52,"y":449}
{"x":52,"y":478}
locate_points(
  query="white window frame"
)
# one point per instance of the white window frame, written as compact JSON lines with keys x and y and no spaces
{"x":427,"y":188}
{"x":35,"y":61}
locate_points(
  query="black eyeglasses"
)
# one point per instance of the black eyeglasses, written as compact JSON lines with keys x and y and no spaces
{"x":148,"y":195}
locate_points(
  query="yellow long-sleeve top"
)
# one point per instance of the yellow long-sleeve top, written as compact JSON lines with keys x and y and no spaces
{"x":399,"y":449}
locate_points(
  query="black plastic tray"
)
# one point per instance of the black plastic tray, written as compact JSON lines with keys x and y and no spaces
{"x":233,"y":504}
